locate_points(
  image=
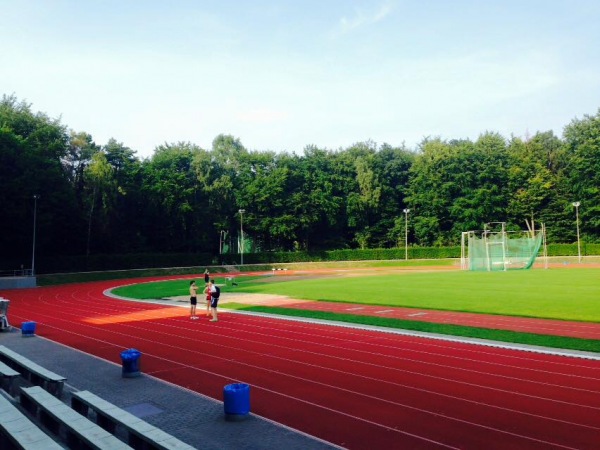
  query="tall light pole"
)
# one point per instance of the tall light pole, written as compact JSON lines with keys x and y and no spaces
{"x":406,"y":211}
{"x":35,"y":199}
{"x":576,"y":205}
{"x":242,"y":211}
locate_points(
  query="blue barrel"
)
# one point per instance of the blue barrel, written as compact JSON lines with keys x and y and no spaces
{"x":28,"y":329}
{"x":236,"y":401}
{"x":131,"y":363}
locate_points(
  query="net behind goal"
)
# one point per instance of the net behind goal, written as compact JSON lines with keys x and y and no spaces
{"x":504,"y":250}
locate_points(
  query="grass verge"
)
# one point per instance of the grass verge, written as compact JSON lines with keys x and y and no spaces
{"x":560,"y":342}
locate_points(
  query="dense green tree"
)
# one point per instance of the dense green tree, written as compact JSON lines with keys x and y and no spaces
{"x":315,"y":203}
{"x":33,"y":147}
{"x":536,"y":185}
{"x":95,"y":198}
{"x":582,"y":144}
{"x":458,"y":186}
{"x":124,"y":230}
{"x":170,"y":188}
{"x":365,"y":202}
{"x":101,"y":184}
{"x":431,"y":189}
{"x":487,"y":194}
{"x":393,"y":166}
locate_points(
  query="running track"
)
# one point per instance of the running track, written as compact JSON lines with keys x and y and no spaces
{"x":355,"y":388}
{"x":582,"y":330}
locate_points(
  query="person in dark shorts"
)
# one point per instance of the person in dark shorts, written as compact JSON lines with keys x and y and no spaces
{"x":214,"y":295}
{"x":208,"y":298}
{"x":193,"y":299}
{"x":206,"y":276}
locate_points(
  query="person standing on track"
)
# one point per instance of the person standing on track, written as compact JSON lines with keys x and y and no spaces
{"x":214,"y":294}
{"x":193,"y":299}
{"x":208,"y":296}
{"x":206,"y":276}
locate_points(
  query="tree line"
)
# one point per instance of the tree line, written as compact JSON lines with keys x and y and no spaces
{"x":103,"y":199}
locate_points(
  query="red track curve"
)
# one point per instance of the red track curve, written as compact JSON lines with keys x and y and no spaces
{"x":355,"y":388}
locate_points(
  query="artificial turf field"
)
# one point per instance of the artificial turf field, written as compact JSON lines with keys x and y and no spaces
{"x":549,"y":294}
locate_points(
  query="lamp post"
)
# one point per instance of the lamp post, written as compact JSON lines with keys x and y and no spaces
{"x":242,"y":211}
{"x":406,"y":211}
{"x":576,"y":205}
{"x":35,"y":199}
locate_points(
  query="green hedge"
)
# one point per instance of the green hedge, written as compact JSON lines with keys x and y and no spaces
{"x":353,"y":255}
{"x":61,"y":264}
{"x":65,"y":264}
{"x":396,"y":253}
{"x":571,"y":249}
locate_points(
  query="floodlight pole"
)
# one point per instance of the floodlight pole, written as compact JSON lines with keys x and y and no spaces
{"x":242,"y":211}
{"x":576,"y":205}
{"x":35,"y":199}
{"x":406,"y":211}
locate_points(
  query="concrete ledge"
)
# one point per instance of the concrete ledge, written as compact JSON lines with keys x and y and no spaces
{"x":18,"y":282}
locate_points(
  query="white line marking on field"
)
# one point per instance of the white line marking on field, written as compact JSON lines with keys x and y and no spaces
{"x":417,"y":314}
{"x":355,"y":309}
{"x":385,"y":311}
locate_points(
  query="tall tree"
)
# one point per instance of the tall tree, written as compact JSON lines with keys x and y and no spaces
{"x":393,"y":165}
{"x":582,"y":140}
{"x":33,"y":147}
{"x":100,"y":181}
{"x":170,"y":186}
{"x":536,"y":184}
{"x":431,"y":191}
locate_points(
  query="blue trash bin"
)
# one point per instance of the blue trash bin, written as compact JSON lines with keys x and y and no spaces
{"x":131,"y":363}
{"x":28,"y":329}
{"x":236,"y":401}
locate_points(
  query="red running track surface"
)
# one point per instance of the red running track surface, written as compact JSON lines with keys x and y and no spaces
{"x":355,"y":388}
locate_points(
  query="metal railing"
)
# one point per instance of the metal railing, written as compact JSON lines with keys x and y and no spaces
{"x":16,"y":273}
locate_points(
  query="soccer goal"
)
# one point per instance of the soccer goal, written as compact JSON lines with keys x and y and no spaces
{"x":495,"y":249}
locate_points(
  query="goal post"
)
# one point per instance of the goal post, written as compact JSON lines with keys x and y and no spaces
{"x":495,"y":249}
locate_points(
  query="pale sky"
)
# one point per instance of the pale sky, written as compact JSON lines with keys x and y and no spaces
{"x":283,"y":74}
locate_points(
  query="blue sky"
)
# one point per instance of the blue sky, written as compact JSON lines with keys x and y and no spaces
{"x":283,"y":74}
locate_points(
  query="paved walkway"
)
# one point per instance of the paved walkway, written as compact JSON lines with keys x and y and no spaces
{"x":191,"y":417}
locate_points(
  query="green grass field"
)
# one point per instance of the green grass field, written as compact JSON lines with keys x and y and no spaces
{"x":551,"y":294}
{"x":556,"y":294}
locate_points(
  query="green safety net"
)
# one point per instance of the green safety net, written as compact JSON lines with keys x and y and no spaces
{"x":234,"y":247}
{"x":503,"y":251}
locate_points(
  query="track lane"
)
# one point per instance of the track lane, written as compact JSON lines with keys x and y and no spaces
{"x":375,"y":370}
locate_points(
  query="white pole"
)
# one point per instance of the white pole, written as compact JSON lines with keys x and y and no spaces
{"x":35,"y":199}
{"x":576,"y":205}
{"x":504,"y":245}
{"x":242,"y":211}
{"x":545,"y":246}
{"x":222,"y":236}
{"x":406,"y":235}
